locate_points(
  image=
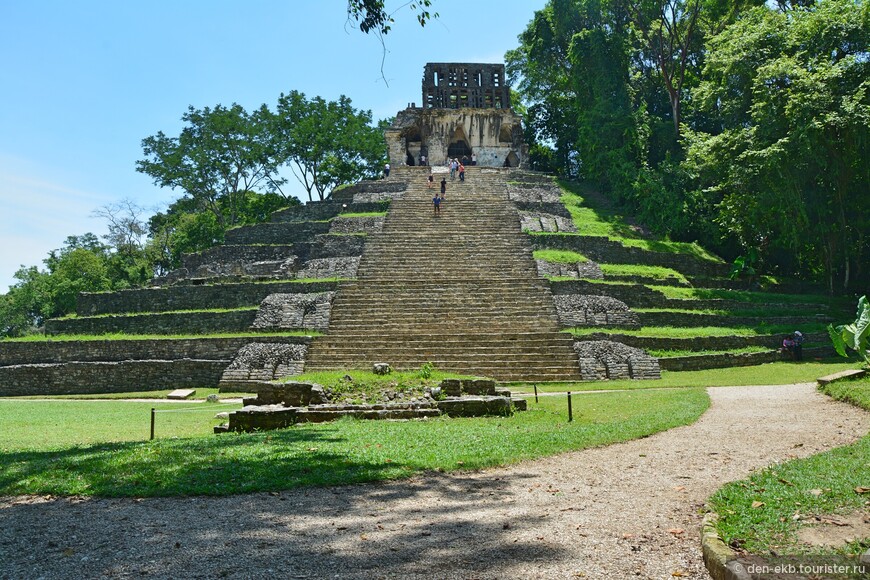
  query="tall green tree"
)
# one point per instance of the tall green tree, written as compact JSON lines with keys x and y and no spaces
{"x":220,"y":154}
{"x":788,"y":168}
{"x":325,"y":143}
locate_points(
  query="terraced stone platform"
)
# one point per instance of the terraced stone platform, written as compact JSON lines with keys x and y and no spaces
{"x":459,"y":290}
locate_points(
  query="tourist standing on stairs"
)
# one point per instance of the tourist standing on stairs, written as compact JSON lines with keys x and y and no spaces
{"x":443,"y":188}
{"x":452,"y":169}
{"x":461,"y":172}
{"x":431,"y":179}
{"x":436,"y":205}
{"x":386,"y":170}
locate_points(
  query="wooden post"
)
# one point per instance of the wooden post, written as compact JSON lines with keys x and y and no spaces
{"x":152,"y":423}
{"x":536,"y":393}
{"x":570,"y":412}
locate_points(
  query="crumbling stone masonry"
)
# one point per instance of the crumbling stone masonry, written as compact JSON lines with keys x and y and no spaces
{"x":465,"y":114}
{"x":582,"y":310}
{"x":600,"y":360}
{"x":294,"y":311}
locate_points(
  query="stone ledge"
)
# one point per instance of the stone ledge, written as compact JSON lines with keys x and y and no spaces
{"x":719,"y":559}
{"x":842,"y":375}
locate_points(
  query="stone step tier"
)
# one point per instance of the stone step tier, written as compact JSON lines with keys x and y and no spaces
{"x":459,"y":290}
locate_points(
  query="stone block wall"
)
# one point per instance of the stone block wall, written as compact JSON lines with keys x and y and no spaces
{"x":261,"y":361}
{"x":600,"y":360}
{"x":347,"y":194}
{"x":156,"y":323}
{"x":589,"y":270}
{"x":579,"y":310}
{"x":526,"y":193}
{"x":61,"y":351}
{"x":682,"y":319}
{"x":326,"y":210}
{"x":109,"y":377}
{"x":293,"y":311}
{"x":545,"y":222}
{"x":353,"y":225}
{"x":191,"y":297}
{"x":276,"y":233}
{"x":701,"y":342}
{"x":329,"y":268}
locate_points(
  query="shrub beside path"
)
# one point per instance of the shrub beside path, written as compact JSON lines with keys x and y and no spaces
{"x":630,"y":510}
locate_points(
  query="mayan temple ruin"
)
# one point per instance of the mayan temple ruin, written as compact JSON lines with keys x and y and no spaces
{"x":465,"y":113}
{"x":372,"y":276}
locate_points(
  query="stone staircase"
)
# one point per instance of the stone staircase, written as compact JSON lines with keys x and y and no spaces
{"x":460,"y":290}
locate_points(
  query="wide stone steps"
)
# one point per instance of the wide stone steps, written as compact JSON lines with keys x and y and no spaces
{"x":459,"y":290}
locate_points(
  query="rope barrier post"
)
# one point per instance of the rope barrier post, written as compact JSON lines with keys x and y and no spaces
{"x":570,"y":412}
{"x":536,"y":393}
{"x":152,"y":423}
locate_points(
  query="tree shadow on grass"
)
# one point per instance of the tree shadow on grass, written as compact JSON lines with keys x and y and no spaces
{"x":232,"y":463}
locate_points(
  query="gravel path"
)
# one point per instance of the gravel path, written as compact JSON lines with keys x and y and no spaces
{"x":630,"y":510}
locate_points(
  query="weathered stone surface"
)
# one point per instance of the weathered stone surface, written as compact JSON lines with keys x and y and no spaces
{"x":259,"y":361}
{"x":290,"y":394}
{"x":457,"y":387}
{"x":108,"y":377}
{"x":612,"y":360}
{"x":344,"y":267}
{"x":295,"y":311}
{"x":475,"y":406}
{"x":541,"y":222}
{"x":519,"y":404}
{"x":533,"y":193}
{"x":381,"y":369}
{"x":376,"y":196}
{"x":191,"y":297}
{"x":353,"y":225}
{"x":589,"y":270}
{"x":586,"y":310}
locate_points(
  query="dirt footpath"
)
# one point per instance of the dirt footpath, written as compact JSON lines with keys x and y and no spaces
{"x":630,"y":510}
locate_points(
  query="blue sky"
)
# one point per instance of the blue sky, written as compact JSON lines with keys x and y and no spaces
{"x":82,"y":83}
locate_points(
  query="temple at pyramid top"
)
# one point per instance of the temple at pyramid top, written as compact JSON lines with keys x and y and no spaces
{"x":465,"y":115}
{"x":459,"y":86}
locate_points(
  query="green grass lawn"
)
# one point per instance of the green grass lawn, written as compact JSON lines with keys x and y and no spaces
{"x":778,"y":373}
{"x":599,"y":221}
{"x":81,"y":448}
{"x":560,"y":256}
{"x":657,"y":272}
{"x":761,"y":329}
{"x":763,"y":513}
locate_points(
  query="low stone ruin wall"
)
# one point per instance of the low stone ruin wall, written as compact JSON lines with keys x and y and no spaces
{"x":534,"y":193}
{"x":354,"y":225}
{"x":191,"y":297}
{"x":580,"y":310}
{"x":329,"y":268}
{"x":600,"y":360}
{"x":295,"y":311}
{"x":634,"y":296}
{"x":680,"y":319}
{"x":276,"y":233}
{"x":727,"y":359}
{"x":280,"y":405}
{"x":156,"y":323}
{"x":701,"y":342}
{"x":108,"y":377}
{"x":348,"y":194}
{"x":326,"y":210}
{"x":589,"y":270}
{"x":63,"y":351}
{"x":262,"y":361}
{"x":238,"y":256}
{"x":545,"y":222}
